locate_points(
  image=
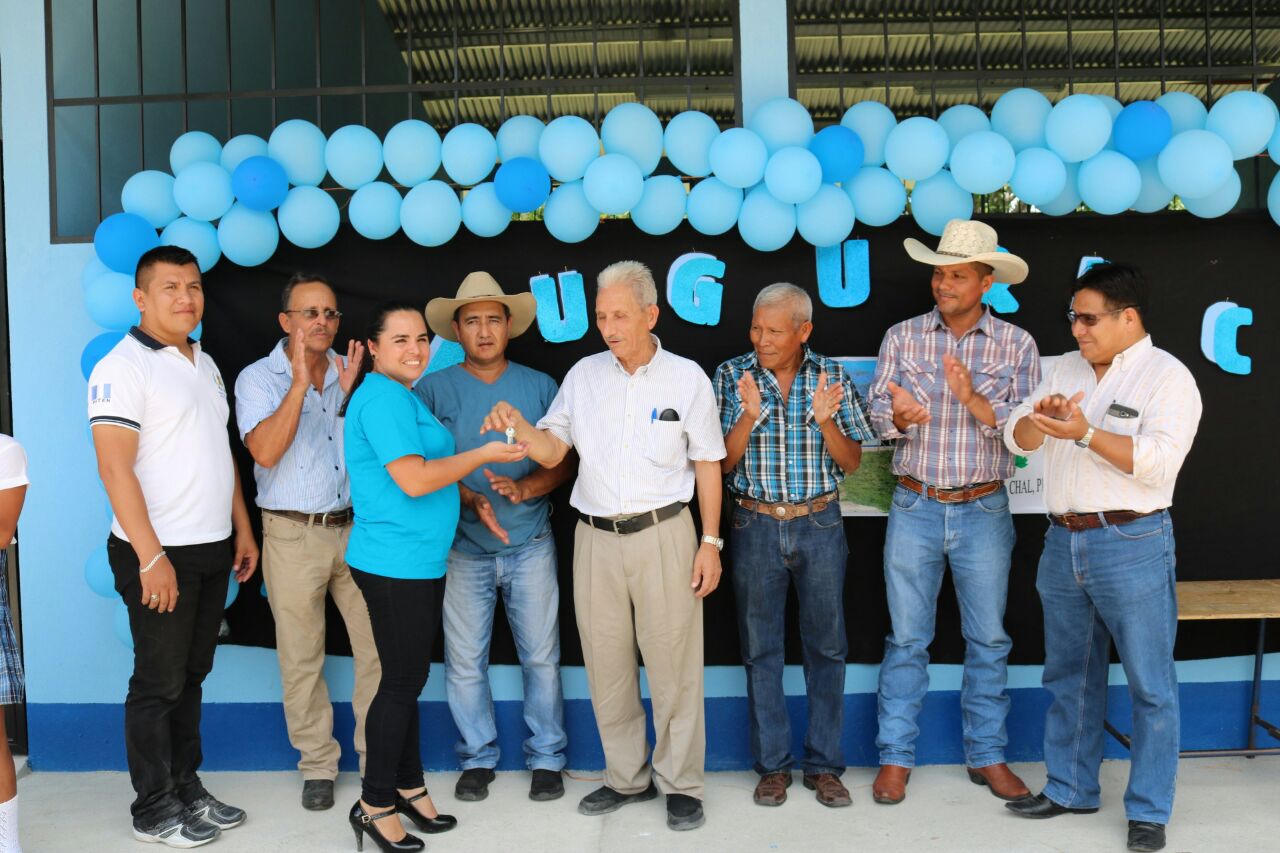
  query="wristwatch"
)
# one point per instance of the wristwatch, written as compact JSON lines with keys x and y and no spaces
{"x":713,"y":540}
{"x":1083,"y":442}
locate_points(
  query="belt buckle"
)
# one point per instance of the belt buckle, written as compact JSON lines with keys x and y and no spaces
{"x":781,"y":511}
{"x":617,"y":530}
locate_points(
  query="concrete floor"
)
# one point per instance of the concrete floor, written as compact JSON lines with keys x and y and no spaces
{"x":1223,"y":805}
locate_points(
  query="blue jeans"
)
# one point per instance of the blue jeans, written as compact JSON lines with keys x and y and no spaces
{"x":1096,"y":585}
{"x":924,"y":536}
{"x":531,"y":597}
{"x":769,"y":554}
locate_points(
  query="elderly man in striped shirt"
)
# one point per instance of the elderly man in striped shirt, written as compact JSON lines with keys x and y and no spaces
{"x":945,"y":384}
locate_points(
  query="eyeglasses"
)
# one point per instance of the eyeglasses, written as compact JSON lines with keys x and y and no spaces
{"x":1092,"y":319}
{"x":329,"y":313}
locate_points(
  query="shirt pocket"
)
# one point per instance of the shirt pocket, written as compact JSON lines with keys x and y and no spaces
{"x":993,"y":380}
{"x":919,"y":377}
{"x":665,"y":444}
{"x":1120,"y":424}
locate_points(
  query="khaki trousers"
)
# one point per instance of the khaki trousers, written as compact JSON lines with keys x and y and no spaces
{"x":634,"y":591}
{"x":300,"y":563}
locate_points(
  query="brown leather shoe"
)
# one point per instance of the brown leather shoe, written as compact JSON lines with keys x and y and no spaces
{"x":831,"y":792}
{"x":890,"y":787}
{"x":771,"y":790}
{"x":1002,"y":781}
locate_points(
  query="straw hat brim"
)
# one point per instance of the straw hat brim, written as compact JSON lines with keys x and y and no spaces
{"x":440,"y":311}
{"x":1009,"y":268}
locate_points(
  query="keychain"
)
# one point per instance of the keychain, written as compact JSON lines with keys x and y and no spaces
{"x":511,"y":435}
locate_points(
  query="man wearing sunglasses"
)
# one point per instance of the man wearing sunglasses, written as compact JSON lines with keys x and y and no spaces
{"x":1116,"y":420}
{"x":287,"y":412}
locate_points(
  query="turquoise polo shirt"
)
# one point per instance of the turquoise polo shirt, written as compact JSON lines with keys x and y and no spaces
{"x":395,"y":535}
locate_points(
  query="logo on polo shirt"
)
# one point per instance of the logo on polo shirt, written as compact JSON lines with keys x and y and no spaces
{"x":217,"y":380}
{"x":106,"y":393}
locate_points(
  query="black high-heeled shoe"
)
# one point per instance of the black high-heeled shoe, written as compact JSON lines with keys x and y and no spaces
{"x":362,"y":823}
{"x":431,"y":825}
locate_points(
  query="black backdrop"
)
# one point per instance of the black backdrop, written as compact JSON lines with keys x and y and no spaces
{"x":1224,"y":505}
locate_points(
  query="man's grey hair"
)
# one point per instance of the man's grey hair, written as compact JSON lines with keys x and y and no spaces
{"x":783,"y":293}
{"x":633,"y":274}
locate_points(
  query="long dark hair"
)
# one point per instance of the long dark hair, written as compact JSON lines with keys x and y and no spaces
{"x":377,"y":322}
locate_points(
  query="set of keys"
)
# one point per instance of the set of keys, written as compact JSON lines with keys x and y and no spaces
{"x":511,"y":435}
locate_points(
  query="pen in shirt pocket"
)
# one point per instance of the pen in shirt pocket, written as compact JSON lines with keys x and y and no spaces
{"x":653,"y":416}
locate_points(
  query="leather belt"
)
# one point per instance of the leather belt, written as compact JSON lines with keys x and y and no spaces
{"x":1093,"y":520}
{"x":333,"y":518}
{"x":633,"y":523}
{"x":786,"y":511}
{"x":958,"y":495}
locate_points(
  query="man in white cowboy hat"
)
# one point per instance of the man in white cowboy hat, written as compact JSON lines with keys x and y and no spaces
{"x":504,"y":543}
{"x":945,"y":384}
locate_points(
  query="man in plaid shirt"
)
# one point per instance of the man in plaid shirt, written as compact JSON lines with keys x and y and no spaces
{"x":793,"y":424}
{"x":945,"y":384}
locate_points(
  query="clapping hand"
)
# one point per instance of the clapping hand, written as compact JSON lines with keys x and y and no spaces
{"x":348,"y":372}
{"x":1059,"y":416}
{"x":826,"y":399}
{"x":958,"y":378}
{"x":906,"y":407}
{"x":749,"y":394}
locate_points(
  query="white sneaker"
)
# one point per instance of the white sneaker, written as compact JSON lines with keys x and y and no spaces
{"x":182,"y":830}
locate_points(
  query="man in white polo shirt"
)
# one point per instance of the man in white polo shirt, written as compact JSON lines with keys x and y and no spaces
{"x":158,"y":410}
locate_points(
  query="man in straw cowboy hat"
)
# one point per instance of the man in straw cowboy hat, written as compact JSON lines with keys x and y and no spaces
{"x":945,"y":384}
{"x":504,"y":542}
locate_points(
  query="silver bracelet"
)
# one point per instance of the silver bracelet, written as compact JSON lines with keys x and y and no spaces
{"x":149,"y":566}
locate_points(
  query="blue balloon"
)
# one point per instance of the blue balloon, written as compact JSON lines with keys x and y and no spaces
{"x":1142,"y":130}
{"x":375,"y":210}
{"x":839,"y":151}
{"x":522,"y":184}
{"x":260,"y":183}
{"x":1039,"y":176}
{"x":688,"y":139}
{"x":1185,"y":111}
{"x":1216,"y":203}
{"x":872,"y":121}
{"x":765,"y":223}
{"x":960,"y":121}
{"x":937,"y":201}
{"x":299,"y":146}
{"x":121,"y":239}
{"x":197,"y":237}
{"x":878,"y":197}
{"x":1245,"y":120}
{"x":827,"y":218}
{"x":241,"y":148}
{"x":1019,"y":115}
{"x":411,"y":151}
{"x":518,"y":137}
{"x":661,"y":205}
{"x":203,"y":191}
{"x":309,"y":217}
{"x":353,"y":156}
{"x":150,"y":195}
{"x":98,"y":574}
{"x":469,"y":153}
{"x":431,"y":214}
{"x":96,"y":349}
{"x":1273,"y":202}
{"x":483,"y":213}
{"x":109,"y":301}
{"x":1069,"y":199}
{"x":633,"y":130}
{"x":916,"y":149}
{"x":198,"y":331}
{"x":793,"y":175}
{"x":1154,"y":195}
{"x":613,"y":183}
{"x":92,"y":270}
{"x":713,"y":206}
{"x":738,"y":157}
{"x":569,"y":217}
{"x":1195,"y":163}
{"x":248,"y":237}
{"x":120,"y":624}
{"x":233,"y":589}
{"x":567,"y":147}
{"x":782,"y":123}
{"x":1077,"y":128}
{"x":194,"y":146}
{"x":982,"y":162}
{"x":1109,"y":182}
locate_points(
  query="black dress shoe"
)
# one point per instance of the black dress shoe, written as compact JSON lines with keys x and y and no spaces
{"x":1146,"y":836}
{"x":604,"y":799}
{"x":684,"y":812}
{"x":430,"y":825}
{"x":317,"y":794}
{"x":546,"y":785}
{"x":1041,"y":806}
{"x":473,"y":784}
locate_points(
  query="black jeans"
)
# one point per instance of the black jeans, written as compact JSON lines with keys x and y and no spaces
{"x":404,"y":615}
{"x":172,"y":654}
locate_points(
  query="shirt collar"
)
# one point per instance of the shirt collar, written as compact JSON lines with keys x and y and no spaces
{"x":1134,"y":353}
{"x":149,"y":342}
{"x":658,"y":353}
{"x":984,"y":324}
{"x":279,"y":362}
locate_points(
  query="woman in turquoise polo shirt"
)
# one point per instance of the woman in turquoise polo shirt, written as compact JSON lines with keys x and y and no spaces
{"x":404,"y":477}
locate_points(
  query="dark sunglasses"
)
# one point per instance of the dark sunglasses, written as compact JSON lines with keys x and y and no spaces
{"x":1092,"y":319}
{"x":329,"y":313}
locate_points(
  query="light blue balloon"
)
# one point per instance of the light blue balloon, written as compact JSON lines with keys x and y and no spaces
{"x":1245,"y":120}
{"x":872,"y":121}
{"x":567,"y":147}
{"x":109,"y":301}
{"x":713,"y":206}
{"x":431,"y":214}
{"x":1039,"y":176}
{"x":1069,"y":199}
{"x":1186,"y":111}
{"x":661,"y":205}
{"x":411,"y":151}
{"x":299,"y":146}
{"x":688,"y":139}
{"x":197,"y":237}
{"x":982,"y":162}
{"x":248,"y":237}
{"x":878,"y":197}
{"x":1077,"y":128}
{"x":569,"y":217}
{"x":827,"y":218}
{"x":309,"y":217}
{"x":916,"y":149}
{"x":1114,"y":107}
{"x":613,"y":183}
{"x":1216,"y":203}
{"x":194,"y":146}
{"x":960,"y":121}
{"x":241,"y":148}
{"x":353,"y":156}
{"x":1154,"y":195}
{"x":1019,"y":116}
{"x":150,"y":195}
{"x":375,"y":210}
{"x":203,"y":191}
{"x":92,"y":270}
{"x":469,"y":154}
{"x":120,"y":624}
{"x":938,"y":200}
{"x":1109,"y":182}
{"x":518,"y":137}
{"x":793,"y":175}
{"x":738,"y":157}
{"x":98,"y":574}
{"x":782,"y":123}
{"x":1273,"y":200}
{"x":632,"y":129}
{"x":1195,"y":163}
{"x":765,"y":223}
{"x":482,"y":212}
{"x":233,"y":589}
